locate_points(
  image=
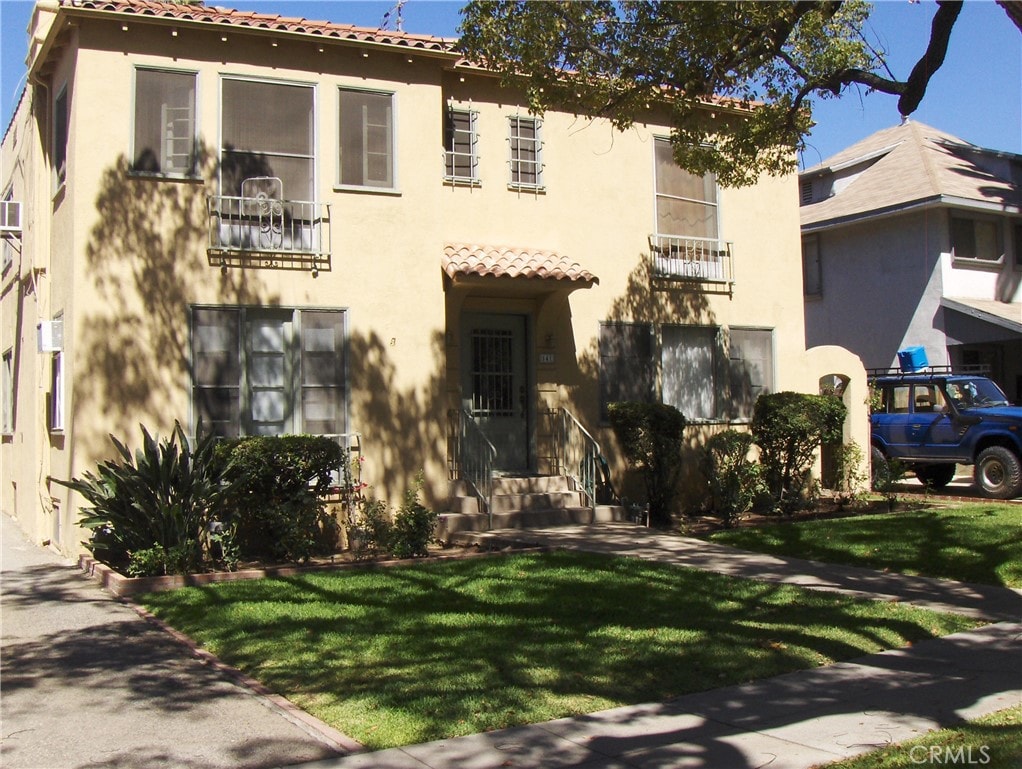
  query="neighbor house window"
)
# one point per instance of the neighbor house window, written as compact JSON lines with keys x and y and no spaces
{"x":7,"y":405}
{"x":461,"y":157}
{"x":366,"y":138}
{"x":708,"y":373}
{"x":164,"y":135}
{"x":60,"y":131}
{"x":976,"y":239}
{"x":268,"y":371}
{"x":686,"y":204}
{"x":267,"y":140}
{"x":812,"y":274}
{"x":526,"y":149}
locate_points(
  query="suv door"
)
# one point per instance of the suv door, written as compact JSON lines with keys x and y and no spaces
{"x":915,"y":422}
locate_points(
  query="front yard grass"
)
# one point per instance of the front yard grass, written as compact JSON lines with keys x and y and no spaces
{"x":969,"y":543}
{"x":414,"y":653}
{"x":993,"y":742}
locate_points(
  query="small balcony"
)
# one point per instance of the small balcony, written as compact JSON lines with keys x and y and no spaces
{"x":691,"y":260}
{"x":260,"y":230}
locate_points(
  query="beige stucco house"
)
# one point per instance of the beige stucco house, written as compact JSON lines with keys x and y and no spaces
{"x":272,"y":225}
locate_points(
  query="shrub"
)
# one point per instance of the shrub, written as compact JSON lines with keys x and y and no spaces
{"x":414,"y":525}
{"x":850,"y":477}
{"x":650,"y":435}
{"x":278,"y":485}
{"x":160,"y":499}
{"x":369,"y":529}
{"x":735,"y":481}
{"x":788,"y":427}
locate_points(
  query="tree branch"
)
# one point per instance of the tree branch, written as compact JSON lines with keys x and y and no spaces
{"x":933,"y":58}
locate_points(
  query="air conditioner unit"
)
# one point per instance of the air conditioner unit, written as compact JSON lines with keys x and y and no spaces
{"x":10,"y":217}
{"x":50,"y":334}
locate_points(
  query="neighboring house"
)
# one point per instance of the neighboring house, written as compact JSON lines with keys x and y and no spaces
{"x":914,"y":237}
{"x":269,"y":225}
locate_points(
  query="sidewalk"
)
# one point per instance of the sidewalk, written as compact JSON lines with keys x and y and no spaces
{"x":86,"y":682}
{"x":793,"y":721}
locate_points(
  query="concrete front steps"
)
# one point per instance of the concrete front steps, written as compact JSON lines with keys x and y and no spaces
{"x":522,"y":502}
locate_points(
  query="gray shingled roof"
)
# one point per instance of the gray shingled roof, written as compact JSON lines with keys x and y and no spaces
{"x":911,"y":164}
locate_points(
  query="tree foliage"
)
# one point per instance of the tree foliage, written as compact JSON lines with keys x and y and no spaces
{"x":737,"y":78}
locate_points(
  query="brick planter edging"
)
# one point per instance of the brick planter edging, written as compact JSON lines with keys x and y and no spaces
{"x":122,"y":586}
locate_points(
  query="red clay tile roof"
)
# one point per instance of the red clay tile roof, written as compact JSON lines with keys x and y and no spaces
{"x":461,"y":260}
{"x":263,"y":21}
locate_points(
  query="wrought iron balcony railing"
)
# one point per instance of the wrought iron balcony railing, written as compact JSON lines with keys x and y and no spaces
{"x":691,"y":259}
{"x":263,"y":225}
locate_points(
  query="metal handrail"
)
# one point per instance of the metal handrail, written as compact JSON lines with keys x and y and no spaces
{"x":473,"y":456}
{"x":691,"y":258}
{"x":267,"y":225}
{"x":577,"y":453}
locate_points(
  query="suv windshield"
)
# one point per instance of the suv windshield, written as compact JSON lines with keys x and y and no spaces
{"x":968,"y":393}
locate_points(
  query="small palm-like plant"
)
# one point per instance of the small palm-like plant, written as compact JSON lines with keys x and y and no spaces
{"x":162,"y":497}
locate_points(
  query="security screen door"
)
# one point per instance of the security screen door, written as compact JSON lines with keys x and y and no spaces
{"x":494,"y":385}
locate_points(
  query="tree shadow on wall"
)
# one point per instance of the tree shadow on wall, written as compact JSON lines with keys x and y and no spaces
{"x":146,"y":259}
{"x":412,"y":416}
{"x":653,"y":301}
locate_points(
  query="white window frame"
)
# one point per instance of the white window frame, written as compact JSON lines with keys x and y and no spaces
{"x":997,"y":226}
{"x":58,"y":387}
{"x":296,"y":335}
{"x":192,"y":132}
{"x":515,"y":161}
{"x":660,"y":141}
{"x":450,"y":155}
{"x":8,"y":393}
{"x":368,"y":185}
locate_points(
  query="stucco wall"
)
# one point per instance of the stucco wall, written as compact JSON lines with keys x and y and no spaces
{"x":128,"y":257}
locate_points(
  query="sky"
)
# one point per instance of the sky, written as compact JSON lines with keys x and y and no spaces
{"x":976,"y":95}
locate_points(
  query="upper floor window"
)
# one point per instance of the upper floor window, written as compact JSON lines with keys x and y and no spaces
{"x":267,"y":139}
{"x":686,"y":204}
{"x":8,"y":245}
{"x":60,"y":132}
{"x":164,"y":135}
{"x":526,"y":149}
{"x":976,"y":238}
{"x":366,"y":138}
{"x":461,"y":157}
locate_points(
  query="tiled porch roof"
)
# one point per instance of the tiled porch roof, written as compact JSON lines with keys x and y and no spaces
{"x":269,"y":22}
{"x":462,"y":260}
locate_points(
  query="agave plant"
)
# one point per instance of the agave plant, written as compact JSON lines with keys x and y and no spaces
{"x":162,"y":496}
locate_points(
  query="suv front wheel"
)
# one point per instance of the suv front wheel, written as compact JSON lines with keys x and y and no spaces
{"x":998,"y":473}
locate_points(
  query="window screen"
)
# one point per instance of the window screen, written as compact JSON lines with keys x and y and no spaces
{"x":366,"y":138}
{"x":164,"y":123}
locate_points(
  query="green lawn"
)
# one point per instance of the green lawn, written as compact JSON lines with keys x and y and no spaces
{"x":971,"y":543}
{"x":407,"y":654}
{"x":993,"y":742}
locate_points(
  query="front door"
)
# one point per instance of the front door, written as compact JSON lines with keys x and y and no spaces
{"x":495,"y":387}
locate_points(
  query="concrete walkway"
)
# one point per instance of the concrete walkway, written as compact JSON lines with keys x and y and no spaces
{"x":794,"y":721}
{"x":87,"y":683}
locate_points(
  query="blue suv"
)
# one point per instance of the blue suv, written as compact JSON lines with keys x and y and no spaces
{"x":930,"y":421}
